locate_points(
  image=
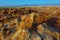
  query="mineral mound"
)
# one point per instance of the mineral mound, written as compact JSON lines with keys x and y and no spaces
{"x":30,"y":23}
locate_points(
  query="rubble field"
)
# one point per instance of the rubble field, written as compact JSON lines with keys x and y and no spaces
{"x":30,"y":23}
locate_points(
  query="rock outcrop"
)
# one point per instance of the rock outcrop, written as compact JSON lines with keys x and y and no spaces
{"x":30,"y":23}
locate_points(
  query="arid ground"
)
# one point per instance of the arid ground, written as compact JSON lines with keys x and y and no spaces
{"x":30,"y":23}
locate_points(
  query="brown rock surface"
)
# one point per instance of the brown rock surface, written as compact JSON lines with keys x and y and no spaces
{"x":30,"y":23}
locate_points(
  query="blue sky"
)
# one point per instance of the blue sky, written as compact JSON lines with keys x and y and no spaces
{"x":29,"y":2}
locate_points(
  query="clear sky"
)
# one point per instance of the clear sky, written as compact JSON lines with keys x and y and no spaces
{"x":29,"y":2}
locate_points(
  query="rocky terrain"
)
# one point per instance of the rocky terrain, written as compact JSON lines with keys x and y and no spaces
{"x":30,"y":23}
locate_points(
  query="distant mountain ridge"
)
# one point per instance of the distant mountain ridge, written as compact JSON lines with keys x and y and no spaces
{"x":33,"y":5}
